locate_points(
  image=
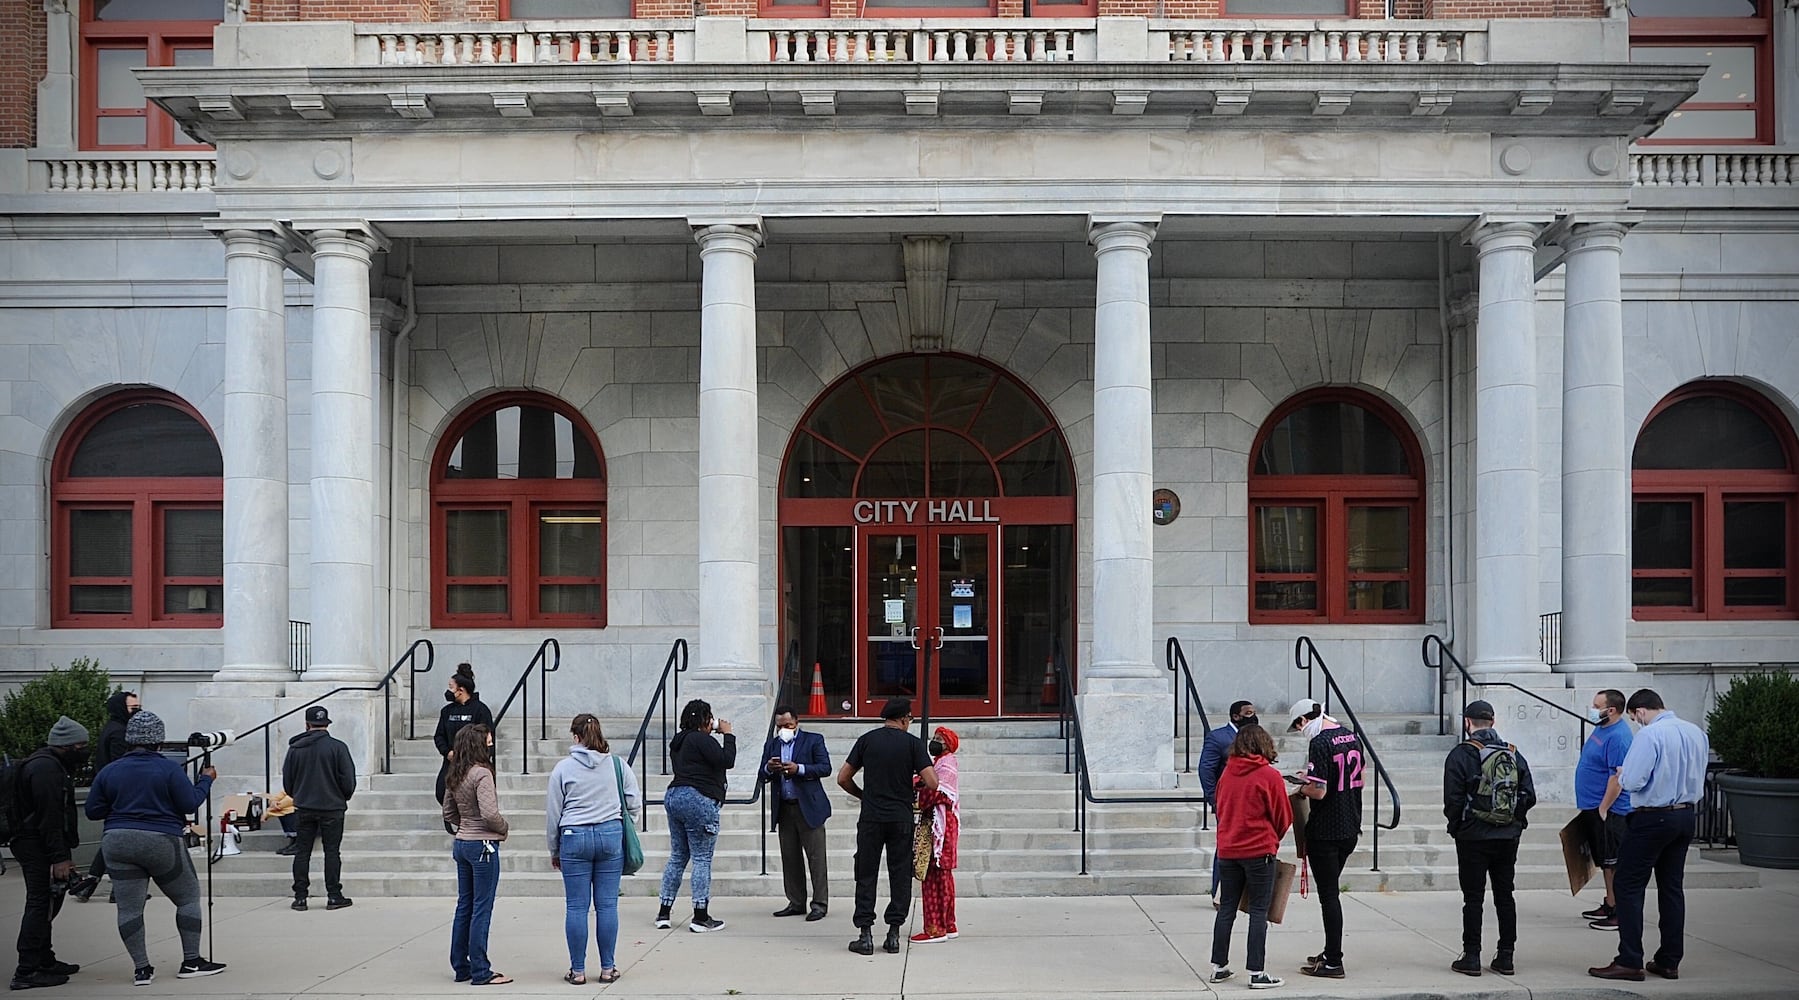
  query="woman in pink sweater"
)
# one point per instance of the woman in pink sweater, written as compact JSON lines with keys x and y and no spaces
{"x":1253,"y":816}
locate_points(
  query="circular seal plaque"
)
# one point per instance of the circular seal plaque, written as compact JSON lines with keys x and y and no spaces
{"x":1166,"y":506}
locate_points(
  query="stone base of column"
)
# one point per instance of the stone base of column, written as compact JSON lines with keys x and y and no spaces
{"x":1597,"y":665}
{"x":356,"y":719}
{"x":1549,"y":740}
{"x":746,"y":704}
{"x":332,"y":675}
{"x":273,"y":675}
{"x":236,"y":706}
{"x":1124,"y":724}
{"x":1507,"y":665}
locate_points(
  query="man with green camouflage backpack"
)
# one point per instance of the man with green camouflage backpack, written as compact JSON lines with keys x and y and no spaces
{"x":1487,"y":790}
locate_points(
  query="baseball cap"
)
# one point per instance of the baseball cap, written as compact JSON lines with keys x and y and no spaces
{"x":1479,"y":710}
{"x":317,"y":716}
{"x":1301,"y":708}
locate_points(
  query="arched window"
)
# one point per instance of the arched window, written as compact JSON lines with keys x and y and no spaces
{"x":518,"y":527}
{"x":1336,"y":525}
{"x":137,"y":530}
{"x":1715,"y":485}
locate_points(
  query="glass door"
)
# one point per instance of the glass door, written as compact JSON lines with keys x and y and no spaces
{"x":929,"y":590}
{"x":891,"y":619}
{"x":961,"y":590}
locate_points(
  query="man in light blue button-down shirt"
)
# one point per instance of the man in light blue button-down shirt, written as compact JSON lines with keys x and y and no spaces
{"x":1665,"y":776}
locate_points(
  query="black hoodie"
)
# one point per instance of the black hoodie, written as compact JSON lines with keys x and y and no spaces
{"x":111,"y":745}
{"x":318,"y":772}
{"x":454,"y":717}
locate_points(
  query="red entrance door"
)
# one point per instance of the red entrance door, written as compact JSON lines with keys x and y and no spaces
{"x":928,"y":594}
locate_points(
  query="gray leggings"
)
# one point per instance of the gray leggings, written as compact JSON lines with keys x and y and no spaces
{"x":136,"y":857}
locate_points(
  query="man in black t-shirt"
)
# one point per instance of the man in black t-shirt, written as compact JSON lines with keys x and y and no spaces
{"x":1336,"y":770}
{"x":892,"y":756}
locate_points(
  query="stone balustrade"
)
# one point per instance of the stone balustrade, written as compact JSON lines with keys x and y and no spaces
{"x":123,"y":172}
{"x":1349,"y":42}
{"x":1688,"y":169}
{"x":942,"y":40}
{"x":509,"y":43}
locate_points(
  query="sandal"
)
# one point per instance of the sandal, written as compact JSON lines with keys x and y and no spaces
{"x":497,"y":979}
{"x":609,"y":976}
{"x":575,"y":978}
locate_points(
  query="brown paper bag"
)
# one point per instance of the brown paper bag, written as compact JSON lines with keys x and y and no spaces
{"x":1574,"y":855}
{"x":1302,"y":810}
{"x":1284,"y":874}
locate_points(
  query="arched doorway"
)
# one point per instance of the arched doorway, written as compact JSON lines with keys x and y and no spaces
{"x":927,"y":542}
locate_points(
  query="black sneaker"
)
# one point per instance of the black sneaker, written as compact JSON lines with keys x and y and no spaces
{"x":37,"y":979}
{"x":339,"y":903}
{"x":1502,"y":963}
{"x":1599,"y":912}
{"x":662,"y":919}
{"x":198,"y":967}
{"x":1320,"y":970}
{"x":60,"y":968}
{"x":1264,"y":981}
{"x":1467,"y":965}
{"x":144,"y":976}
{"x":1605,"y":923}
{"x":299,"y":903}
{"x":288,"y":849}
{"x":1219,"y":976}
{"x":702,"y":925}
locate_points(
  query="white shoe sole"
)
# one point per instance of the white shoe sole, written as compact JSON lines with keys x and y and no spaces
{"x":198,"y":973}
{"x":1277,"y":984}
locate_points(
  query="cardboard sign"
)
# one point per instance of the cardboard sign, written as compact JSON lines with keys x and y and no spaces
{"x":1575,"y":857}
{"x":1285,"y":872}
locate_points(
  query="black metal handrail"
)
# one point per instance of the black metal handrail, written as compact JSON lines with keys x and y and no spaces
{"x":1434,"y":644}
{"x":384,"y":685}
{"x":1311,"y":662}
{"x":1186,"y":703}
{"x":412,"y":699}
{"x":547,"y":660}
{"x":667,"y":693}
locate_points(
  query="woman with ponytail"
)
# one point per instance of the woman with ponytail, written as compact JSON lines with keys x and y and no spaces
{"x":462,"y":707}
{"x":584,"y":820}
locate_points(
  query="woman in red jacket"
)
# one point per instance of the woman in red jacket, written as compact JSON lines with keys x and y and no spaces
{"x":1253,"y":816}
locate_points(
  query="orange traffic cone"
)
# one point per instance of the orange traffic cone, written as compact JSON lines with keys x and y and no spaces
{"x":816,"y":706}
{"x":1051,"y":691}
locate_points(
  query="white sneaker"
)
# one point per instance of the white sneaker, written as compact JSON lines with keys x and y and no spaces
{"x":1264,"y":981}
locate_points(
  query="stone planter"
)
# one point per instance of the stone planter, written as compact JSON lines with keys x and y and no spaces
{"x":1764,"y":814}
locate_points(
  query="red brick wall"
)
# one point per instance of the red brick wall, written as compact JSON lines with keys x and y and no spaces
{"x":1514,"y":8}
{"x":21,"y":67}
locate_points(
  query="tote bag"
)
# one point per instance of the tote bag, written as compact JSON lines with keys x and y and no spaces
{"x":633,"y":846}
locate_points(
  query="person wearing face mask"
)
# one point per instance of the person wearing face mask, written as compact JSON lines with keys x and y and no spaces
{"x":1336,"y":770}
{"x":794,"y":763}
{"x":109,"y":747}
{"x":1603,"y":803}
{"x":463,"y":707}
{"x":1487,"y":796}
{"x":1211,"y":764}
{"x":1664,"y":772}
{"x":940,"y":808}
{"x":45,"y":835}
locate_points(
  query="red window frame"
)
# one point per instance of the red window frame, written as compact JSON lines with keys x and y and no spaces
{"x":1753,"y":32}
{"x":1708,"y":490}
{"x":1349,"y":10}
{"x":148,"y":499}
{"x":1333,"y":497}
{"x":522,"y":500}
{"x":159,"y":40}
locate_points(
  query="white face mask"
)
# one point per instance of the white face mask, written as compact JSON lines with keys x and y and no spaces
{"x":787,"y":735}
{"x":1596,"y":716}
{"x":1312,"y":728}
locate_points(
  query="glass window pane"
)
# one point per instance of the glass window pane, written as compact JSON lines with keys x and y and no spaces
{"x":1662,"y":592}
{"x":475,"y":543}
{"x":160,"y":10}
{"x":1708,"y":432}
{"x":147,"y":440}
{"x":1332,"y":439}
{"x":569,"y":599}
{"x":957,"y":388}
{"x":201,"y":57}
{"x":132,"y":131}
{"x":815,"y":469}
{"x":523,"y":442}
{"x":1287,"y":540}
{"x":1687,"y":123}
{"x":1692,"y":8}
{"x":1249,"y":8}
{"x":818,"y":576}
{"x":109,"y":600}
{"x":100,"y":543}
{"x":1755,"y":591}
{"x":1730,"y":80}
{"x":569,"y":542}
{"x":118,"y":88}
{"x":522,"y":9}
{"x":846,"y":420}
{"x":1379,"y":595}
{"x":181,"y":599}
{"x":193,"y":542}
{"x":1661,"y":535}
{"x":1039,"y":469}
{"x":1009,"y":417}
{"x":1380,"y":539}
{"x":1039,"y":614}
{"x":897,"y":469}
{"x":958,"y":469}
{"x":476,"y":599}
{"x":899,"y":387}
{"x":1755,"y":534}
{"x":876,"y":4}
{"x":1292,"y":595}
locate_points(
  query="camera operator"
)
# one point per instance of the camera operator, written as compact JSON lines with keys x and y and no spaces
{"x":145,"y":800}
{"x":44,"y":822}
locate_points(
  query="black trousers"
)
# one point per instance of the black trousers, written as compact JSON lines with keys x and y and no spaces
{"x":328,"y":829}
{"x":41,"y":905}
{"x":1239,"y":875}
{"x":802,"y":853}
{"x":873,"y":837}
{"x":1328,"y":859}
{"x":1657,"y":845}
{"x":1475,"y":862}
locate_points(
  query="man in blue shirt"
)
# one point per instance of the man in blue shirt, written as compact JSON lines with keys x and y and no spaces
{"x":1211,"y":764}
{"x":1664,"y":772}
{"x":1602,"y":801}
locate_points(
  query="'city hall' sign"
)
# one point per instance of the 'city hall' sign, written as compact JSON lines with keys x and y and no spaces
{"x":935,"y":512}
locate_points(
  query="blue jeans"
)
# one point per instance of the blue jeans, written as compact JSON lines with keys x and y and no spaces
{"x":593,"y":860}
{"x":477,"y":882}
{"x":692,"y":834}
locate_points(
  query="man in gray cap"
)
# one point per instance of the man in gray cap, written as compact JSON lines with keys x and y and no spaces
{"x":1487,"y":790}
{"x":45,"y":835}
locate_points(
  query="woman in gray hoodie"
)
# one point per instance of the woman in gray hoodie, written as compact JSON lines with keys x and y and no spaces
{"x":584,"y":821}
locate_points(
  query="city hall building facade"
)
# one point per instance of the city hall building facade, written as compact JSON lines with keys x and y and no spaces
{"x":835,"y":336}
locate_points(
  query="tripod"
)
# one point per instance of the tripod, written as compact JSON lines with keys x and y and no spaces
{"x":201,"y":764}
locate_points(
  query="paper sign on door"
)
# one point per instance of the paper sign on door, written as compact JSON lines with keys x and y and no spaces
{"x":961,"y":588}
{"x":964,"y":616}
{"x":896,"y":611}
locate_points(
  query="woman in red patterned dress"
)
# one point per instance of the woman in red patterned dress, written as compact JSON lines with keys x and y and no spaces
{"x":941,"y":808}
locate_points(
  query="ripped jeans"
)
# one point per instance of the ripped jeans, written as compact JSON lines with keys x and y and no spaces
{"x":692,"y":834}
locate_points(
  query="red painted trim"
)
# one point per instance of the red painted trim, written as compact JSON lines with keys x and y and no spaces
{"x":1757,"y":32}
{"x":506,"y":11}
{"x":159,"y":40}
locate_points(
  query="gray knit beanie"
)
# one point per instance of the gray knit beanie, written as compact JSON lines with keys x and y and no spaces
{"x":67,"y":733}
{"x":144,"y":730}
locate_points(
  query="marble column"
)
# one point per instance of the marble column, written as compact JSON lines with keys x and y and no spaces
{"x":254,"y":446}
{"x":1506,"y":499}
{"x":1122,"y":687}
{"x":1595,"y":455}
{"x":343,"y":479}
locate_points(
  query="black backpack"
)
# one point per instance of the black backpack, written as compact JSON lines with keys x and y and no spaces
{"x":9,"y":789}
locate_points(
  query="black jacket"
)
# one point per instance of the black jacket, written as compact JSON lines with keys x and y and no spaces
{"x":1461,"y":777}
{"x":44,"y":805}
{"x":318,"y":772}
{"x":454,"y":717}
{"x":111,"y":745}
{"x":700,"y":763}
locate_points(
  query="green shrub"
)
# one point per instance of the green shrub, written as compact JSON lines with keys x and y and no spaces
{"x":1752,"y":725}
{"x":78,"y":691}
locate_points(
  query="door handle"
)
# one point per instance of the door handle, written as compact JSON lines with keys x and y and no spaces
{"x":915,"y":637}
{"x":939,"y":643}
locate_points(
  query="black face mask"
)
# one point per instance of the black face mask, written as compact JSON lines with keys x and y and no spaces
{"x":73,"y":758}
{"x":937,"y":748}
{"x":449,"y":696}
{"x":1249,"y":720}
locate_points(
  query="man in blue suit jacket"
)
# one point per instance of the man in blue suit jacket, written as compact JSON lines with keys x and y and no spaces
{"x":1211,"y":764}
{"x":793,"y":764}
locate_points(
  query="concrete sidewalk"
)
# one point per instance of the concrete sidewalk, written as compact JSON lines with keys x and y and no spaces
{"x":1739,"y":943}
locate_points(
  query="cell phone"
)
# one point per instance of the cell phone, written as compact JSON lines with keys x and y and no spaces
{"x":1293,"y":779}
